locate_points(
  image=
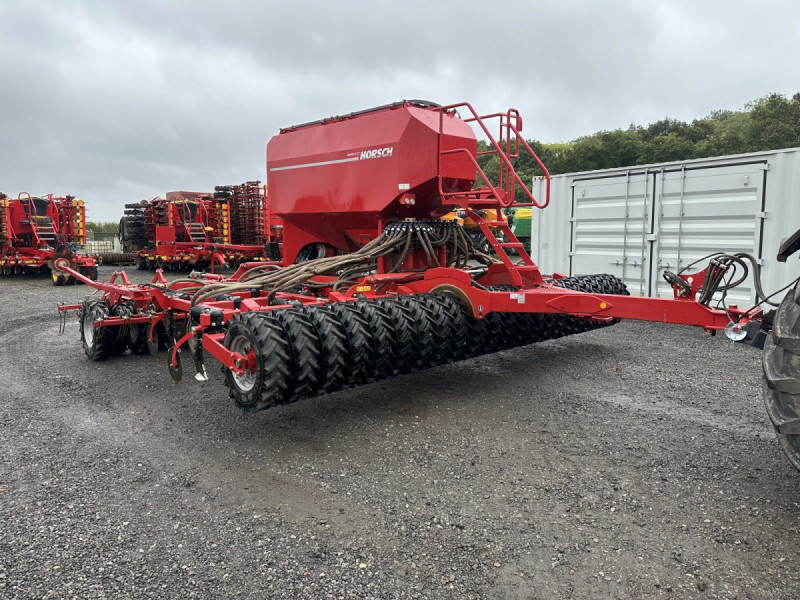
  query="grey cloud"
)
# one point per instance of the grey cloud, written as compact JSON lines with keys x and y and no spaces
{"x":117,"y":101}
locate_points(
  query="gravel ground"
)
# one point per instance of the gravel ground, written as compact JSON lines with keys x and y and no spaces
{"x":635,"y":461}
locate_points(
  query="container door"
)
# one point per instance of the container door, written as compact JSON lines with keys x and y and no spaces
{"x":704,"y":210}
{"x":612,"y":228}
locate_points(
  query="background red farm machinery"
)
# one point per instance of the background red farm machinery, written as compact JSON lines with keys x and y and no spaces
{"x":394,"y":287}
{"x":200,"y":230}
{"x":36,"y":229}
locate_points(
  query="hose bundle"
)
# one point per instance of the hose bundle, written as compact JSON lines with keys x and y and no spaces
{"x":399,"y":237}
{"x":724,"y":272}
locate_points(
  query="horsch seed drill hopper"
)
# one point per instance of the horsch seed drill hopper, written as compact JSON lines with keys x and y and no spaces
{"x":389,"y":287}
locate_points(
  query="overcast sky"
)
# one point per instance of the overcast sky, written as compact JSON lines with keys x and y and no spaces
{"x":118,"y":101}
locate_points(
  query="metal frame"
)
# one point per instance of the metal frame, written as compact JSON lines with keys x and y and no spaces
{"x":530,"y":292}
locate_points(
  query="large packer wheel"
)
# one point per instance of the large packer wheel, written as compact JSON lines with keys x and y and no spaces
{"x":266,"y":380}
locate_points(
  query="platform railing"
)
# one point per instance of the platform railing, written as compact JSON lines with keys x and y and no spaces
{"x":510,"y":124}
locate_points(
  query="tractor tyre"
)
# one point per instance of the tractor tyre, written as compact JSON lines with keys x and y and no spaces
{"x":456,"y":325}
{"x":384,"y":339}
{"x":141,"y":263}
{"x":475,"y":330}
{"x":304,"y":351}
{"x":98,"y":341}
{"x":261,"y":338}
{"x":405,"y":340}
{"x":503,"y":330}
{"x":781,"y":361}
{"x":496,"y":337}
{"x":333,"y":348}
{"x":440,"y":332}
{"x":359,"y":343}
{"x":421,"y":337}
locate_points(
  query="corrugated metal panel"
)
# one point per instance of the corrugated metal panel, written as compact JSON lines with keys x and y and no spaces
{"x":701,"y":211}
{"x":782,"y":212}
{"x":610,"y":228}
{"x":550,"y":228}
{"x":724,"y":200}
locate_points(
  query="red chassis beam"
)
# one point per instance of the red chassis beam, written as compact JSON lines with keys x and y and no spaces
{"x":543,"y":299}
{"x":557,"y":300}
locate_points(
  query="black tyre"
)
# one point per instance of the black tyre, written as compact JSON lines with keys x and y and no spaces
{"x":456,"y":316}
{"x":405,"y":335}
{"x":440,"y":328}
{"x":422,"y":338}
{"x":496,"y":334}
{"x":781,"y":361}
{"x":475,"y":333}
{"x":501,"y":330}
{"x":556,"y":326}
{"x":141,"y":263}
{"x":359,"y":343}
{"x":98,"y":341}
{"x":263,"y":339}
{"x":304,"y":349}
{"x":333,"y":348}
{"x":383,"y":338}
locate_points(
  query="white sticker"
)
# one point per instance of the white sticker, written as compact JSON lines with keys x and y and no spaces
{"x":403,"y":186}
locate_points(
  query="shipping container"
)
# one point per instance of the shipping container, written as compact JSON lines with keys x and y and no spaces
{"x":637,"y":222}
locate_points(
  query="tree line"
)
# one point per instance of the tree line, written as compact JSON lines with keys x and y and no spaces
{"x":768,"y":123}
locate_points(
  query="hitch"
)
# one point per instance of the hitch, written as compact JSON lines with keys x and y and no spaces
{"x":789,"y":246}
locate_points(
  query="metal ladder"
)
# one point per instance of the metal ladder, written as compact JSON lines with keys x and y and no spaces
{"x":43,"y":226}
{"x":527,"y":268}
{"x":502,"y":194}
{"x":196,"y":231}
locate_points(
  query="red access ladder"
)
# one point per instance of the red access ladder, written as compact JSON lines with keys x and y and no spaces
{"x":501,"y":195}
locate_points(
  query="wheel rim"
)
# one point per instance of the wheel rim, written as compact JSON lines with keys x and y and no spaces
{"x":88,"y":327}
{"x":246,"y":381}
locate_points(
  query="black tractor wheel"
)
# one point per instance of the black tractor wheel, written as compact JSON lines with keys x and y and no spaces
{"x":405,"y":335}
{"x":383,"y":338}
{"x":360,"y":359}
{"x":781,"y":362}
{"x":333,"y":347}
{"x":98,"y":341}
{"x":304,"y":349}
{"x":266,"y":382}
{"x":456,"y":325}
{"x":440,"y":328}
{"x":141,"y":263}
{"x":421,"y":332}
